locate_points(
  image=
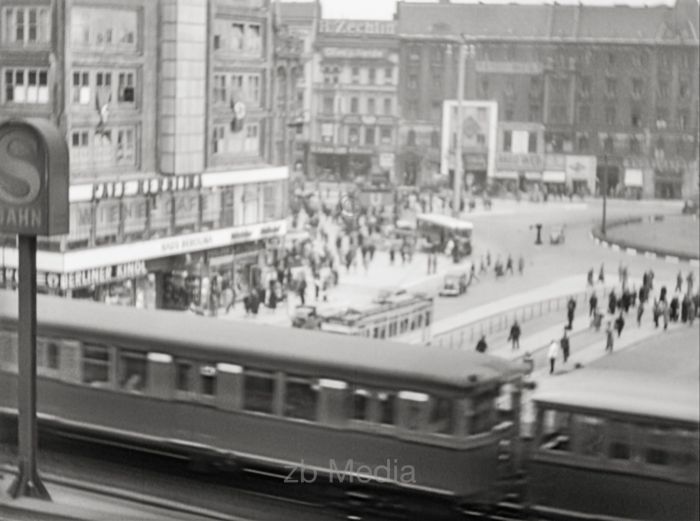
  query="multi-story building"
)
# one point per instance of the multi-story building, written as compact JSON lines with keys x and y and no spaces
{"x":355,"y":109}
{"x":166,"y":110}
{"x":608,"y":89}
{"x":297,"y":26}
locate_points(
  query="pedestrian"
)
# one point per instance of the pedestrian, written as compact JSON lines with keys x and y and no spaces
{"x":317,"y":287}
{"x":601,"y":274}
{"x":674,"y":308}
{"x":302,"y":290}
{"x":514,"y":336}
{"x":521,"y":264}
{"x":392,"y":254}
{"x":592,"y":304}
{"x":679,"y":282}
{"x":640,"y":312}
{"x":488,"y":258}
{"x":589,"y":278}
{"x":552,"y":355}
{"x":509,"y":264}
{"x":272,"y":301}
{"x":609,"y":337}
{"x":626,"y":300}
{"x":570,"y":310}
{"x":685,"y":308}
{"x":472,"y":274}
{"x":619,"y":324}
{"x":482,"y":266}
{"x":662,"y":294}
{"x":565,"y":346}
{"x":665,"y":312}
{"x":690,"y":282}
{"x":612,"y":302}
{"x":481,"y":346}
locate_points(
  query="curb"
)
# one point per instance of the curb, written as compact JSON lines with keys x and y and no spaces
{"x":601,"y":240}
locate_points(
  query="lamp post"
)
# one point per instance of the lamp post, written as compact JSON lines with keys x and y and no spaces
{"x":457,"y":182}
{"x":605,"y":193}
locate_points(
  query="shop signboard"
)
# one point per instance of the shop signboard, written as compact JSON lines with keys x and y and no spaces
{"x":375,"y":27}
{"x":353,"y":53}
{"x":479,"y":129}
{"x":518,"y":162}
{"x":33,"y":178}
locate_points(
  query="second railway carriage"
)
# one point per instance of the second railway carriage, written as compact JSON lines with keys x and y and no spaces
{"x":413,"y":418}
{"x":619,"y":439}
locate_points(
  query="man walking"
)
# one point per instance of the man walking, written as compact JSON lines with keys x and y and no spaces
{"x":515,"y":335}
{"x":481,"y":344}
{"x":521,"y":264}
{"x":679,"y":282}
{"x":619,"y":324}
{"x":509,"y":264}
{"x":640,"y":312}
{"x":570,"y":310}
{"x":552,"y":355}
{"x":609,"y":338}
{"x":565,"y":346}
{"x":592,"y":304}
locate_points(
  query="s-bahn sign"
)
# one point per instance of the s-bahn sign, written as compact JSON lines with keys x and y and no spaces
{"x":33,"y":178}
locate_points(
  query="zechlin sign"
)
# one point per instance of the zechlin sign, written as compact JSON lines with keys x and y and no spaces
{"x":83,"y":278}
{"x":32,"y":202}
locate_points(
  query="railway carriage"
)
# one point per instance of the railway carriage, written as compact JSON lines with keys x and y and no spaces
{"x":412,"y":418}
{"x":619,"y":439}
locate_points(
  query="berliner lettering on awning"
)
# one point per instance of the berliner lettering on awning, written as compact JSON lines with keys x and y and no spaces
{"x":533,"y":176}
{"x":506,"y":175}
{"x":550,"y":176}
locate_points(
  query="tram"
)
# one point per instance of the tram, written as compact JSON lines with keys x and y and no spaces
{"x":399,"y":317}
{"x":250,"y":396}
{"x":619,"y":438}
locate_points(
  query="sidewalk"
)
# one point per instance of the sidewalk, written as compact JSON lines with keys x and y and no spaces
{"x":97,"y":504}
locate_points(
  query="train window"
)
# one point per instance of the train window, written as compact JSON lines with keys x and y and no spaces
{"x":133,"y":371}
{"x":620,"y":437}
{"x":96,"y":364}
{"x":382,"y":332}
{"x":386,"y":407}
{"x":619,"y":450}
{"x":685,"y":449}
{"x":207,"y":379}
{"x":360,"y":401}
{"x":376,"y":332}
{"x":46,"y":356}
{"x":484,"y":411}
{"x":258,"y":390}
{"x":52,"y":357}
{"x":440,"y":417}
{"x":413,"y":407}
{"x":590,"y":434}
{"x":300,"y":398}
{"x":656,"y":456}
{"x":656,"y":443}
{"x":556,"y":430}
{"x":8,"y":349}
{"x":183,"y":376}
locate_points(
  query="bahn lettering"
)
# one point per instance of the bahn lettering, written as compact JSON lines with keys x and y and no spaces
{"x":20,"y":217}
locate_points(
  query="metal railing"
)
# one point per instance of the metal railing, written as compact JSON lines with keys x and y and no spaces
{"x":456,"y":338}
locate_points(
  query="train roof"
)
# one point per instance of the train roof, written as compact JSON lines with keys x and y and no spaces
{"x":658,"y":378}
{"x":180,"y":333}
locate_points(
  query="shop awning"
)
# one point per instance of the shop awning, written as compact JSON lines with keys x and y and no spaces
{"x":533,"y":176}
{"x":552,"y":176}
{"x":634,"y":177}
{"x":506,"y":175}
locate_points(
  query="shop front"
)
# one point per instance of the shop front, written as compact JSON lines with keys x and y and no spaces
{"x":329,"y":163}
{"x":580,"y":174}
{"x":634,"y":182}
{"x":668,"y":183}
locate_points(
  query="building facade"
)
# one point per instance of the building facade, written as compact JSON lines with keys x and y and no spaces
{"x":166,"y":110}
{"x":355,"y":106}
{"x":609,"y":90}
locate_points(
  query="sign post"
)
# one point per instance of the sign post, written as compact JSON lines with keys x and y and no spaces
{"x":33,"y":201}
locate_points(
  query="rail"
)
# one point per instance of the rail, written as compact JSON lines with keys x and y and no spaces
{"x":455,"y":338}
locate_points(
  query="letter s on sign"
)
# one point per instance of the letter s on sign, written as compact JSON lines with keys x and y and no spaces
{"x":20,"y":180}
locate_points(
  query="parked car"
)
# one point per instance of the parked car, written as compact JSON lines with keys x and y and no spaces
{"x":454,"y":285}
{"x":692,"y":206}
{"x":556,"y":236}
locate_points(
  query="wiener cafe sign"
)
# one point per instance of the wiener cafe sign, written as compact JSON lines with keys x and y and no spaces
{"x":33,"y":178}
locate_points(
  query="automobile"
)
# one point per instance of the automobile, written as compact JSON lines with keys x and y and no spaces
{"x":691,"y":206}
{"x":306,"y":317}
{"x":454,"y":285}
{"x":556,"y":236}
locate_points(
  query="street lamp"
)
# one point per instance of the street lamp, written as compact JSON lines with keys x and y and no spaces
{"x":465,"y":49}
{"x":605,"y":193}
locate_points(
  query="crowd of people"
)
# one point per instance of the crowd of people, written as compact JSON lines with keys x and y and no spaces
{"x":681,"y":306}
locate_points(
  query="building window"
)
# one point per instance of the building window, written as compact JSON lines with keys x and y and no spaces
{"x":28,"y":86}
{"x":661,"y":117}
{"x":532,"y":142}
{"x":353,"y":135}
{"x":252,"y":138}
{"x":369,"y":136}
{"x":584,"y":114}
{"x":484,"y":87}
{"x":372,"y":75}
{"x":610,"y":87}
{"x":634,"y":144}
{"x":535,"y":112}
{"x":411,"y":138}
{"x":683,"y":119}
{"x":559,"y":114}
{"x":637,"y":87}
{"x":683,"y":89}
{"x":412,"y":110}
{"x":509,"y":113}
{"x":26,"y":25}
{"x":388,"y":108}
{"x":610,"y":115}
{"x":388,"y":75}
{"x":663,"y":89}
{"x":355,"y":75}
{"x":507,"y":141}
{"x":584,"y":87}
{"x":371,"y":106}
{"x":104,"y":28}
{"x":354,"y":105}
{"x":412,"y":81}
{"x":435,"y":139}
{"x":79,"y":147}
{"x":125,"y":153}
{"x":328,"y":103}
{"x":80,"y":93}
{"x":126,"y":87}
{"x":636,"y":118}
{"x":609,"y":144}
{"x":239,"y":37}
{"x":253,"y":89}
{"x":219,"y":88}
{"x":385,"y":135}
{"x":582,"y":141}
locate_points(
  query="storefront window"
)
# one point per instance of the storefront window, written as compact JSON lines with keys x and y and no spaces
{"x":211,"y":209}
{"x":80,"y":225}
{"x":160,"y":212}
{"x":186,"y":209}
{"x":107,"y":219}
{"x":228,"y":206}
{"x":251,"y":204}
{"x":273,"y":207}
{"x":134,"y":213}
